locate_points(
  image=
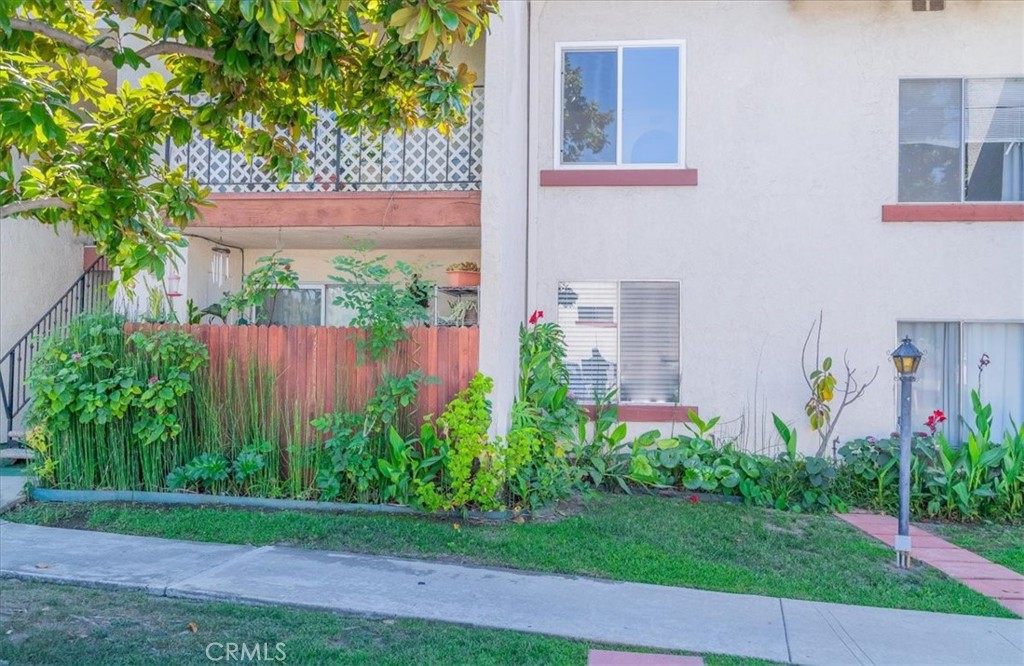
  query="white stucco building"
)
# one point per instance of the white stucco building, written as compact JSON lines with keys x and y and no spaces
{"x":685,"y":186}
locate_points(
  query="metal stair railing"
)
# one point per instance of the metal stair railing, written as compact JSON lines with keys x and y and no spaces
{"x":88,"y":293}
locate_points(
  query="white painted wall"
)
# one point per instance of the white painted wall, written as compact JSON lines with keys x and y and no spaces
{"x":792,"y":124}
{"x":504,"y":205}
{"x":37,"y":265}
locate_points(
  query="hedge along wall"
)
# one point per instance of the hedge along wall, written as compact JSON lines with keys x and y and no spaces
{"x":315,"y":368}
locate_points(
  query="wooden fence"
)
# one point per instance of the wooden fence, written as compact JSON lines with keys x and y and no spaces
{"x":316,"y":369}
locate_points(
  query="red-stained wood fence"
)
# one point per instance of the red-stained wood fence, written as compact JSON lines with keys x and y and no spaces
{"x":315,"y":368}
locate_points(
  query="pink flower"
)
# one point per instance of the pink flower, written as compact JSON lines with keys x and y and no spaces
{"x":536,"y":316}
{"x":76,"y":356}
{"x":694,"y":499}
{"x":154,"y":379}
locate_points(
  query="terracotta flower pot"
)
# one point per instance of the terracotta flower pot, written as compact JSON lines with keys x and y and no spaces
{"x":463,"y":278}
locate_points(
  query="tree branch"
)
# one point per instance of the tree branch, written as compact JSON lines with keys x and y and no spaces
{"x":95,"y":50}
{"x":56,"y":34}
{"x":165,"y":48}
{"x":19,"y":207}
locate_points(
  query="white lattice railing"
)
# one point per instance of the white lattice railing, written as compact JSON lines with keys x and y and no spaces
{"x":417,"y":160}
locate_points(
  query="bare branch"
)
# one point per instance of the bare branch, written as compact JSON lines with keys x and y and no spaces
{"x":56,"y":34}
{"x":20,"y":207}
{"x":803,"y":358}
{"x":97,"y":51}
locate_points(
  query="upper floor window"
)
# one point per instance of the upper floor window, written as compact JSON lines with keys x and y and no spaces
{"x":961,"y":140}
{"x":621,"y":105}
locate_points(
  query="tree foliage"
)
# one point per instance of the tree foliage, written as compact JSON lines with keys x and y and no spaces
{"x":247,"y":74}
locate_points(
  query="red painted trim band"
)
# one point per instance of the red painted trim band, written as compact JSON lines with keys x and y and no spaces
{"x":342,"y":209}
{"x":617,"y":177}
{"x":652,"y":413}
{"x":953,"y":212}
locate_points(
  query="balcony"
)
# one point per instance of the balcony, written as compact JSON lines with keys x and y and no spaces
{"x":422,"y":160}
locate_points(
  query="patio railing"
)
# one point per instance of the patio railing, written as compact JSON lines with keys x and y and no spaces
{"x":419,"y":160}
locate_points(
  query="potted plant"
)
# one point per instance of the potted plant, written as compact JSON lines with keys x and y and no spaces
{"x":464,"y":274}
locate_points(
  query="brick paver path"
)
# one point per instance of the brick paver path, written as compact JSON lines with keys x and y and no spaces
{"x":973,"y":570}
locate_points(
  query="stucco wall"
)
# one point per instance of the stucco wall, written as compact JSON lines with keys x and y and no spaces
{"x":791,"y":122}
{"x":37,"y":265}
{"x":503,"y":206}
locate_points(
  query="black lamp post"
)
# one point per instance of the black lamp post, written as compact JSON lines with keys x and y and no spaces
{"x":906,"y":358}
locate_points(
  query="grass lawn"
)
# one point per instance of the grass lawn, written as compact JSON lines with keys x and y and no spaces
{"x":57,"y":625}
{"x":712,"y":546}
{"x":1003,"y":544}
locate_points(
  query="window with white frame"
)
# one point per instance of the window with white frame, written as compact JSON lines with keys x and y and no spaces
{"x":622,"y":335}
{"x":621,"y":104}
{"x":963,"y":356}
{"x":309,"y":305}
{"x":961,"y":140}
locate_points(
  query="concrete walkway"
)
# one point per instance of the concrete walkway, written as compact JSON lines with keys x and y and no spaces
{"x":653,"y":616}
{"x":11,"y":490}
{"x":984,"y":576}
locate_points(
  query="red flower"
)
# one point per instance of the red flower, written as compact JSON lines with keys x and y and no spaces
{"x":934,"y":420}
{"x":536,"y":316}
{"x":694,"y":499}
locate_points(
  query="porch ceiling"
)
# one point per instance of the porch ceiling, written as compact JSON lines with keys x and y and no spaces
{"x":325,"y":238}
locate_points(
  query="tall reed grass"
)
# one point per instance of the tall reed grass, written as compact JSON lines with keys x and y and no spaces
{"x":229,"y":408}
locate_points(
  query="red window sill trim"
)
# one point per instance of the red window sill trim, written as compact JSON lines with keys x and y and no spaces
{"x":618,"y":177}
{"x":652,"y":413}
{"x":946,"y":212}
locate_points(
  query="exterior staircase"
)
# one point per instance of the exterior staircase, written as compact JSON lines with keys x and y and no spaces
{"x":87,"y":294}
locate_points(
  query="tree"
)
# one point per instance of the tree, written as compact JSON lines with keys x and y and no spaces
{"x":75,"y":151}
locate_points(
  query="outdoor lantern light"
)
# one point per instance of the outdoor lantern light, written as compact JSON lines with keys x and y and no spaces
{"x":906,"y":358}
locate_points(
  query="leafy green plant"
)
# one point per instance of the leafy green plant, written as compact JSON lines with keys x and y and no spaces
{"x":271,"y":273}
{"x":602,"y":459}
{"x":364,"y":457}
{"x":385,"y":299}
{"x":475,"y":464}
{"x":544,"y":418}
{"x":459,"y":312}
{"x":980,"y":479}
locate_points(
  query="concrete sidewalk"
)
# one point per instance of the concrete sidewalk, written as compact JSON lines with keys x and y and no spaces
{"x":11,"y":490}
{"x":652,"y":616}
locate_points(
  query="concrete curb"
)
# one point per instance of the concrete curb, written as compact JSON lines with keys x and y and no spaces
{"x":196,"y":499}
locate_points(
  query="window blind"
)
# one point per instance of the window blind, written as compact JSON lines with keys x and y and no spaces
{"x":622,"y":335}
{"x":994,"y":111}
{"x":588,"y":316}
{"x":649,"y":342}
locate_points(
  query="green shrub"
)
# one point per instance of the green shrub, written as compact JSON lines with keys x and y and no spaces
{"x":982,"y":478}
{"x":695,"y":462}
